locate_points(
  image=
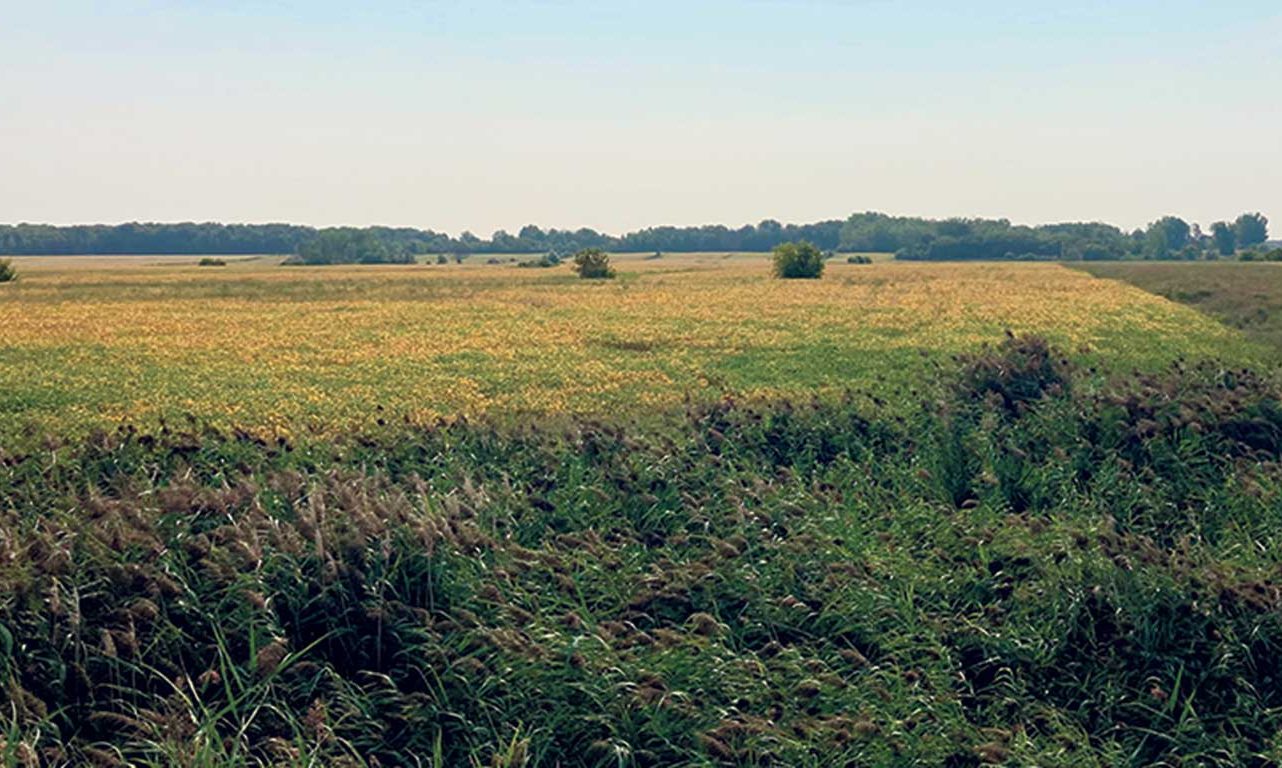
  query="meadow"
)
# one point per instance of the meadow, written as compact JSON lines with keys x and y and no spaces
{"x":1243,"y":296}
{"x":478,"y":515}
{"x":290,"y":351}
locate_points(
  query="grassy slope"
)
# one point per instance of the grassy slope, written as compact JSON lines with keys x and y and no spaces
{"x":1244,"y":296}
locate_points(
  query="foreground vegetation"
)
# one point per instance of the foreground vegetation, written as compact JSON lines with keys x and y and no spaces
{"x":1030,"y":568}
{"x":291,"y":351}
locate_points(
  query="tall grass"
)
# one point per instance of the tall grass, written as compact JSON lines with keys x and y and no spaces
{"x":1025,"y":572}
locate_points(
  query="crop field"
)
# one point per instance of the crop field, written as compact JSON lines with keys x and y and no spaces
{"x":287,"y":351}
{"x":694,"y":516}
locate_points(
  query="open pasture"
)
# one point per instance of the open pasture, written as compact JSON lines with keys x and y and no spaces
{"x":288,"y":349}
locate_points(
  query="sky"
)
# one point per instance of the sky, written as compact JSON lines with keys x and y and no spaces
{"x":481,"y":115}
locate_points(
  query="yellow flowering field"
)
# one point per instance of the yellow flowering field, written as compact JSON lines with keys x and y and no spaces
{"x":290,"y":349}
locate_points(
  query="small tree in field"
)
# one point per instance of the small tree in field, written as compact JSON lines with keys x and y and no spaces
{"x":7,"y":271}
{"x":798,"y":260}
{"x":593,"y":264}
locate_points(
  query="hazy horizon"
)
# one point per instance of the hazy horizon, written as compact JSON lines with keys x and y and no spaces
{"x":620,"y":117}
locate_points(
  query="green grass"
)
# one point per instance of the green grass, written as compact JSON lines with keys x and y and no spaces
{"x":1032,"y":570}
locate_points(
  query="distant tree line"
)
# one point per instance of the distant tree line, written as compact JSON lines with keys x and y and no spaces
{"x":1169,"y":237}
{"x":198,"y":239}
{"x":910,"y":238}
{"x":134,"y":238}
{"x":213,"y":239}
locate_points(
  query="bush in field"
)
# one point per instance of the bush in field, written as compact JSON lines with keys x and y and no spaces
{"x":542,"y":262}
{"x":442,"y":259}
{"x":798,"y":260}
{"x":858,"y":259}
{"x":593,"y":264}
{"x":8,"y":273}
{"x":211,"y":262}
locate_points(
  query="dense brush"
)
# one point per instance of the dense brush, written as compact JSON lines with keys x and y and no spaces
{"x":1027,"y":572}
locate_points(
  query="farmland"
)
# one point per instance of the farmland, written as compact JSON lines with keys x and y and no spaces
{"x":294,"y":350}
{"x":483,"y":515}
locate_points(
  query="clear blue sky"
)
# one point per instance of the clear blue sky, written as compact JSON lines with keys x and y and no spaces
{"x":484,"y":115}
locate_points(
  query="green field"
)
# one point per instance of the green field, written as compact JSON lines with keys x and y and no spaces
{"x":479,"y":515}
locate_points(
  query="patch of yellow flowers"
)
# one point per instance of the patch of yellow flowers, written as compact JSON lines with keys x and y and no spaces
{"x":292,"y":349}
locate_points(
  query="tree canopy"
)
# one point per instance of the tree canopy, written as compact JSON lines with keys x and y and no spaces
{"x":351,"y":246}
{"x":1251,"y":229}
{"x":1224,"y":237}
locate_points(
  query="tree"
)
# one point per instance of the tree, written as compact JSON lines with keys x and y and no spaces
{"x":1251,"y":229}
{"x":798,"y":260}
{"x":469,"y":243}
{"x":1224,"y":237}
{"x":1166,"y":238}
{"x":593,"y":264}
{"x":502,"y":242}
{"x":7,"y":271}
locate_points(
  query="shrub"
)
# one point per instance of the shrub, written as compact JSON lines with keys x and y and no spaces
{"x":1021,"y":371}
{"x":211,"y":262}
{"x":542,"y":262}
{"x":798,"y":260}
{"x":8,"y":273}
{"x":593,"y":264}
{"x":442,"y":259}
{"x":858,"y":259}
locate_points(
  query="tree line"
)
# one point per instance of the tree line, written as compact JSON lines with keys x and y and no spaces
{"x":1170,"y":237}
{"x":912,"y":238}
{"x":214,"y":238}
